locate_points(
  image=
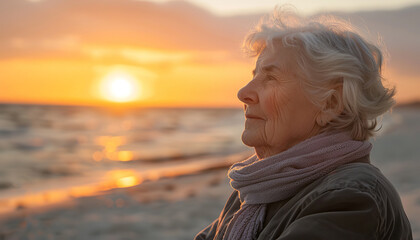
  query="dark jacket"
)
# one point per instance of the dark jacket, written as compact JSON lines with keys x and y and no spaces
{"x":355,"y":201}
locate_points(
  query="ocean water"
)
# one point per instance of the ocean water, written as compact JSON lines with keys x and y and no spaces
{"x":54,"y":147}
{"x":45,"y":149}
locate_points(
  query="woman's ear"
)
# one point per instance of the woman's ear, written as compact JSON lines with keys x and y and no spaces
{"x":332,"y":107}
{"x":320,"y":119}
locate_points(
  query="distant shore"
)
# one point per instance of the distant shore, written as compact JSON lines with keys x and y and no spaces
{"x":411,"y":103}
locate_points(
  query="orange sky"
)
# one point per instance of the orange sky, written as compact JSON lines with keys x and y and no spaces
{"x":58,"y":52}
{"x":63,"y":81}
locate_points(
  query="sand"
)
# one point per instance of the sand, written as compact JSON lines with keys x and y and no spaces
{"x":170,"y":208}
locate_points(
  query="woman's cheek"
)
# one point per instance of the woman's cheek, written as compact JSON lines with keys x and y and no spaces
{"x":271,"y":102}
{"x":274,"y":114}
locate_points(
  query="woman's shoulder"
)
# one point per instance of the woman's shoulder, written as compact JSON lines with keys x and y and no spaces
{"x":347,"y":181}
{"x":361,"y":177}
{"x":352,"y":193}
{"x":355,"y":179}
{"x":363,"y":184}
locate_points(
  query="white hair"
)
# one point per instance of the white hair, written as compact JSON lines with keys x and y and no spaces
{"x":334,"y":64}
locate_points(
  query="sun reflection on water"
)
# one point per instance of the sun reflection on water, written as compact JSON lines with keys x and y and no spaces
{"x":122,"y":179}
{"x":127,"y":182}
{"x":110,"y":149}
{"x":112,"y":179}
{"x":125,"y":156}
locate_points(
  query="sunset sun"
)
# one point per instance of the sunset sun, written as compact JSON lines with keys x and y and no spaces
{"x":120,"y":87}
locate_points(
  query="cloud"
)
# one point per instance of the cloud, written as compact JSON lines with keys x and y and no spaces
{"x":125,"y":30}
{"x":52,"y":27}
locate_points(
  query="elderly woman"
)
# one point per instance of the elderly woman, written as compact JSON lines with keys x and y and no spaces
{"x":310,"y":108}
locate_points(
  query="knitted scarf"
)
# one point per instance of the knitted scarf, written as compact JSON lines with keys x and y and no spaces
{"x":279,"y":177}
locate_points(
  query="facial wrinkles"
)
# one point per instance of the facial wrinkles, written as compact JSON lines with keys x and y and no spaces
{"x":278,"y":107}
{"x":258,"y":64}
{"x":275,"y":116}
{"x":278,"y":102}
{"x":268,"y":132}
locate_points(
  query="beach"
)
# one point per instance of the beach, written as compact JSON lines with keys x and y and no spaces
{"x":157,"y":194}
{"x":170,"y":208}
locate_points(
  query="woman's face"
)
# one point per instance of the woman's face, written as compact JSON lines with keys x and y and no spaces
{"x":278,"y":114}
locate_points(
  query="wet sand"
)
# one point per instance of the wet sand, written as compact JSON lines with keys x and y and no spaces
{"x":168,"y":208}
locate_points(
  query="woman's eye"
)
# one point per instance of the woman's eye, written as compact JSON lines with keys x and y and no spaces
{"x":270,"y":78}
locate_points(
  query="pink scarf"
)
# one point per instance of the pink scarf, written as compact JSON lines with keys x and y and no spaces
{"x":278,"y":177}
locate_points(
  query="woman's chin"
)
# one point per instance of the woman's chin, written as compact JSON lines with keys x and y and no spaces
{"x":249,"y":139}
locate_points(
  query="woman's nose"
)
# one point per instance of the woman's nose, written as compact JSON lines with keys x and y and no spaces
{"x":248,"y":94}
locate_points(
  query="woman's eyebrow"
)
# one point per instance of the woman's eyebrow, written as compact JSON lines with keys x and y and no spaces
{"x":269,"y":68}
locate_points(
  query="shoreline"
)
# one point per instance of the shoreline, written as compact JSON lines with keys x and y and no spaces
{"x":151,"y":210}
{"x":14,"y":201}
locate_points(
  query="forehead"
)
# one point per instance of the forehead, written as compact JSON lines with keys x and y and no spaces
{"x":281,"y":57}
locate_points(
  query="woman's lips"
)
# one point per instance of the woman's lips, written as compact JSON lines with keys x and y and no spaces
{"x":252,"y":116}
